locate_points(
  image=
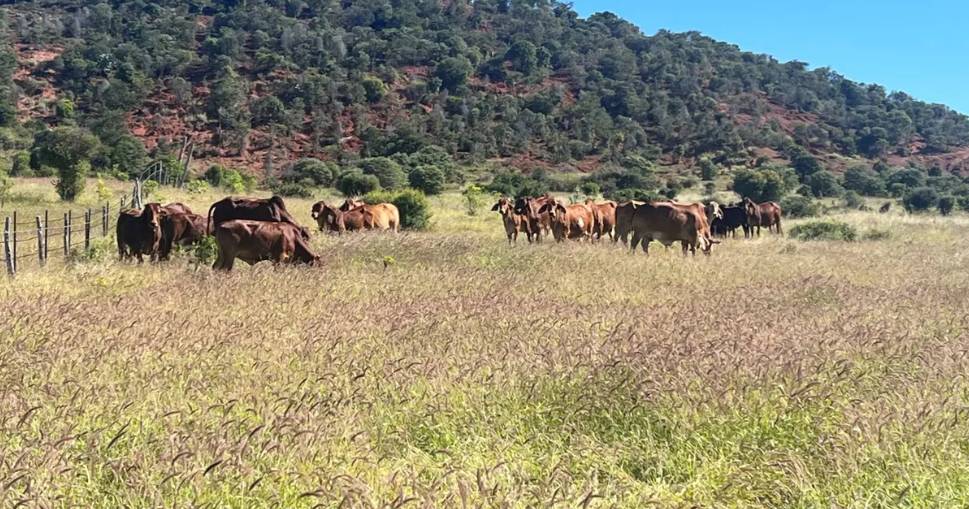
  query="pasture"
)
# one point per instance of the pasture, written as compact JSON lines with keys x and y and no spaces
{"x":448,"y":369}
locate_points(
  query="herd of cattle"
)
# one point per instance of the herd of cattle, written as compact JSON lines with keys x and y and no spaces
{"x":255,"y":229}
{"x":694,"y":225}
{"x":250,"y":229}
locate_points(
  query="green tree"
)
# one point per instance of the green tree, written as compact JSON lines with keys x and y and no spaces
{"x":6,"y":184}
{"x":267,"y":111}
{"x":823,"y":184}
{"x":375,"y":89}
{"x":387,"y":171}
{"x":763,"y":184}
{"x":355,"y":183}
{"x":429,"y":179}
{"x":454,"y":72}
{"x":863,"y":181}
{"x":921,"y":199}
{"x":128,"y":155}
{"x":946,"y":204}
{"x":68,"y":150}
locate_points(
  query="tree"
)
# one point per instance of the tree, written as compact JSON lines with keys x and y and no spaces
{"x":68,"y":150}
{"x":375,"y":89}
{"x":523,"y":56}
{"x":946,"y":204}
{"x":920,"y":199}
{"x":763,"y":184}
{"x":904,"y":180}
{"x":387,"y":171}
{"x":454,"y":72}
{"x":805,"y":165}
{"x":863,"y":181}
{"x":128,"y":155}
{"x":355,"y":183}
{"x":6,"y":184}
{"x":824,"y":183}
{"x":312,"y":172}
{"x":268,"y":111}
{"x":708,"y":169}
{"x":429,"y":179}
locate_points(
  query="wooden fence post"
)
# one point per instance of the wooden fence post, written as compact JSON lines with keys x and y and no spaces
{"x":104,"y":219}
{"x":46,"y":233}
{"x":14,"y":243}
{"x":87,"y":230}
{"x":67,"y":234}
{"x":7,"y":253}
{"x":40,"y":241}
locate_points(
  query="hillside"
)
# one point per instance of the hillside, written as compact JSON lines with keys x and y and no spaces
{"x":526,"y":83}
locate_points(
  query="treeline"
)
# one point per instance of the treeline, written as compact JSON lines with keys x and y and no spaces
{"x":492,"y":78}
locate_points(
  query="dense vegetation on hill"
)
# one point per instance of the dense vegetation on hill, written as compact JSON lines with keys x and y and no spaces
{"x":527,"y":81}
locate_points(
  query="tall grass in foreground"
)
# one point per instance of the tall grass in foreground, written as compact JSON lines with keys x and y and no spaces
{"x":775,"y":373}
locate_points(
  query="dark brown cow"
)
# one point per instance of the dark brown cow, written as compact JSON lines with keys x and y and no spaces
{"x":624,"y":220}
{"x":539,"y":223}
{"x":179,"y":228}
{"x":381,"y":216}
{"x":733,"y":217}
{"x":574,"y":221}
{"x":605,"y":218}
{"x":514,"y":223}
{"x":763,"y":214}
{"x":668,"y":222}
{"x":256,"y":241}
{"x":255,"y":209}
{"x":139,"y":232}
{"x":176,"y":207}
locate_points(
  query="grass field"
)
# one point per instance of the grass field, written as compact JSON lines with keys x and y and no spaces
{"x":467,"y":373}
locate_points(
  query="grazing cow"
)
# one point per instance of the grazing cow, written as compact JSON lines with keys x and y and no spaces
{"x":382,"y":216}
{"x":539,"y":223}
{"x":176,"y":207}
{"x":705,"y":214}
{"x":763,"y":214}
{"x":624,"y":218}
{"x":139,"y":232}
{"x":574,"y":221}
{"x":256,"y":241}
{"x":733,"y":217}
{"x":605,"y":218}
{"x":885,"y":207}
{"x":255,"y":209}
{"x":668,"y":222}
{"x":352,"y":203}
{"x":179,"y":228}
{"x":514,"y":223}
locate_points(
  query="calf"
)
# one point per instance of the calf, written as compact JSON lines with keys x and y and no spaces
{"x":763,"y":214}
{"x":514,"y":222}
{"x":733,"y":218}
{"x":255,"y":241}
{"x":382,"y":216}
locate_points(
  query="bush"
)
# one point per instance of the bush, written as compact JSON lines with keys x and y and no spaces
{"x":429,"y":179}
{"x":799,"y":206}
{"x":824,"y":230}
{"x":590,"y":189}
{"x":946,"y":204}
{"x":20,"y":167}
{"x":921,"y":199}
{"x":355,"y":183}
{"x":823,"y":183}
{"x":198,"y":187}
{"x":236,"y":182}
{"x":311,"y":171}
{"x":413,"y":206}
{"x":387,"y":171}
{"x":876,"y":234}
{"x":474,"y":199}
{"x":853,"y":200}
{"x":292,"y":190}
{"x":215,"y":175}
{"x":764,"y":184}
{"x":863,"y":181}
{"x":708,"y":169}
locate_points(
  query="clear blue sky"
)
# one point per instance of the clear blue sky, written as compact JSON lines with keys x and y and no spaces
{"x":918,"y":47}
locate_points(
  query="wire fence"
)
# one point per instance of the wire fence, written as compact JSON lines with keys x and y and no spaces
{"x":37,"y":239}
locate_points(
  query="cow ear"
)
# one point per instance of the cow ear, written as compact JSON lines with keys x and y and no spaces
{"x":560,"y":208}
{"x":495,"y":208}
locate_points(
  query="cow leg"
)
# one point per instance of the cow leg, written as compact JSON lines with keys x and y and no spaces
{"x":779,"y":230}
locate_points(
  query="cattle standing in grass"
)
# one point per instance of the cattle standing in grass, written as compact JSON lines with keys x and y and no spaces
{"x":514,"y":223}
{"x":139,"y":232}
{"x":733,"y":218}
{"x":539,"y":223}
{"x":176,"y":207}
{"x":763,"y":214}
{"x":624,"y":220}
{"x":254,"y":209}
{"x":352,"y":203}
{"x":668,"y":222}
{"x":382,"y":216}
{"x":574,"y":221}
{"x":885,"y":207}
{"x":605,"y":219}
{"x":256,"y":241}
{"x":179,"y":228}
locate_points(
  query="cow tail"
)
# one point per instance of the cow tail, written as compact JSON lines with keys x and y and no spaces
{"x":208,"y":221}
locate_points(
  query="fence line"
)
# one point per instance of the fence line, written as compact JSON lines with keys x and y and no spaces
{"x":85,"y":224}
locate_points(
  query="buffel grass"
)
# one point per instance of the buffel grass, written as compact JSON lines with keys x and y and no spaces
{"x":467,"y":373}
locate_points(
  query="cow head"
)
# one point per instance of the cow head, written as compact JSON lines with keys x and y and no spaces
{"x":559,"y":218}
{"x":317,"y":208}
{"x":351,"y":203}
{"x":714,"y":211}
{"x":503,"y":207}
{"x":331,"y":219}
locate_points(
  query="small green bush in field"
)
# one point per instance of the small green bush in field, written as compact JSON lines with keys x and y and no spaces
{"x":799,"y":206}
{"x":824,"y":230}
{"x":205,"y":251}
{"x":415,"y":213}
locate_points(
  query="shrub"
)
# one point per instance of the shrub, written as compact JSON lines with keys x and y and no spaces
{"x":863,"y":181}
{"x":20,"y":167}
{"x":311,"y":171}
{"x":413,"y":206}
{"x":215,"y":175}
{"x":823,"y":183}
{"x":474,"y":199}
{"x":876,"y":234}
{"x":708,"y":169}
{"x":946,"y":204}
{"x":236,"y":182}
{"x":6,"y":184}
{"x":198,"y":187}
{"x":824,"y":230}
{"x":387,"y":171}
{"x":590,"y":189}
{"x":292,"y":190}
{"x":355,"y":183}
{"x":764,"y":184}
{"x":429,"y":179}
{"x":921,"y":199}
{"x":799,"y":206}
{"x":104,"y":194}
{"x":853,"y":200}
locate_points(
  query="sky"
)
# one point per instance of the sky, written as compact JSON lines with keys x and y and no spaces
{"x":918,"y":47}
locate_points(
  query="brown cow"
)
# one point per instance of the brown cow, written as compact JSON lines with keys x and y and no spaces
{"x":624,"y":220}
{"x":179,"y":228}
{"x":514,"y":223}
{"x":382,"y":216}
{"x":139,"y":232}
{"x":574,"y":221}
{"x":605,"y":218}
{"x":352,"y":203}
{"x":255,"y":209}
{"x":256,"y":241}
{"x":176,"y":207}
{"x":539,"y":223}
{"x":668,"y":222}
{"x":763,"y":214}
